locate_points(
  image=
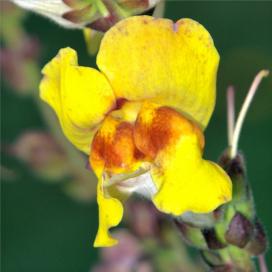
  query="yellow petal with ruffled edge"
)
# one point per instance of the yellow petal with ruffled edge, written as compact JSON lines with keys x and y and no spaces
{"x":187,"y":182}
{"x":172,"y":64}
{"x":110,"y":215}
{"x":184,"y":180}
{"x":80,"y":96}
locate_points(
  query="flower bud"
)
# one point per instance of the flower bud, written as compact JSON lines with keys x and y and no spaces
{"x":97,"y":14}
{"x":239,"y":230}
{"x":235,"y":166}
{"x":19,"y":53}
{"x":236,"y":170}
{"x":42,"y":154}
{"x":118,"y":10}
{"x":258,"y":242}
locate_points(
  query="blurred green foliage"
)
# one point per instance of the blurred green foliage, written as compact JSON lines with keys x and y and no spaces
{"x":44,"y":230}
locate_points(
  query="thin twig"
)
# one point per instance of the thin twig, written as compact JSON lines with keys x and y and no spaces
{"x":230,"y":112}
{"x":262,"y":263}
{"x":159,"y":9}
{"x":241,"y":117}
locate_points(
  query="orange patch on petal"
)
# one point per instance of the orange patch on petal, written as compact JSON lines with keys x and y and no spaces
{"x":113,"y":148}
{"x":120,"y":146}
{"x":157,"y":127}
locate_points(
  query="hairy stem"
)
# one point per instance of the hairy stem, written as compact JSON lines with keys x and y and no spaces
{"x":241,"y":117}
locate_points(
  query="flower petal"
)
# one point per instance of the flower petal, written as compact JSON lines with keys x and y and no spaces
{"x":158,"y":127}
{"x":110,"y":215}
{"x":80,"y":96}
{"x":188,"y":182}
{"x":53,"y":9}
{"x":185,"y":181}
{"x":172,"y":64}
{"x":113,"y":149}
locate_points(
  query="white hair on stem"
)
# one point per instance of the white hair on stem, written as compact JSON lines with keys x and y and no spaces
{"x":242,"y":114}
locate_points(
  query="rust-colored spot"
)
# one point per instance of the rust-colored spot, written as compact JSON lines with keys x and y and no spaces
{"x":145,"y":22}
{"x":119,"y":145}
{"x":164,"y":127}
{"x":119,"y":103}
{"x":117,"y":151}
{"x":138,"y":155}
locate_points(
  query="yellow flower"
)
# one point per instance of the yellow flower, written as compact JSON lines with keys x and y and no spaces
{"x":141,"y":117}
